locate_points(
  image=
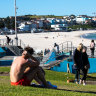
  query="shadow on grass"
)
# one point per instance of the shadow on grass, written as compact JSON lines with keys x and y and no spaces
{"x":78,"y":91}
{"x":91,"y":78}
{"x":67,"y":90}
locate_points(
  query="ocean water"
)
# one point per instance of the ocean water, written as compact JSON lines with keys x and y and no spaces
{"x":89,"y":36}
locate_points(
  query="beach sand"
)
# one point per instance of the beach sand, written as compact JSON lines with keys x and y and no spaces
{"x":40,"y":41}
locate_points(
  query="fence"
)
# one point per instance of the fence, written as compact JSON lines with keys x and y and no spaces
{"x":13,"y":45}
{"x":13,"y":42}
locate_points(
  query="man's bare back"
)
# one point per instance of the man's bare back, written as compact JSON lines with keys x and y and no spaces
{"x":17,"y":69}
{"x":20,"y":64}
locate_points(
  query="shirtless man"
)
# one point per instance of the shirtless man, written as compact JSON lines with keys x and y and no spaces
{"x":25,"y":68}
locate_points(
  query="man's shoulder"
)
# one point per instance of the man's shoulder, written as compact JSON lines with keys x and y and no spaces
{"x":16,"y":57}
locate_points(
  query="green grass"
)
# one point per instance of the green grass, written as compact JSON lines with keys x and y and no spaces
{"x":4,"y":69}
{"x":57,"y":78}
{"x":45,"y":16}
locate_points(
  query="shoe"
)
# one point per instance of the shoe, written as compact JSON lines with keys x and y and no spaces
{"x":35,"y":85}
{"x":80,"y":82}
{"x":76,"y":82}
{"x":84,"y":82}
{"x":51,"y":86}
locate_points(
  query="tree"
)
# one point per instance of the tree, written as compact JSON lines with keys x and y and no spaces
{"x":7,"y":22}
{"x":10,"y":22}
{"x":1,"y":24}
{"x":72,"y":16}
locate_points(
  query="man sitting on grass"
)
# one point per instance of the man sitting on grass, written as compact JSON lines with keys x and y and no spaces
{"x":25,"y":68}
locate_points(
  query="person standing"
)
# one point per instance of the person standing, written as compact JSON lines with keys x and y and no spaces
{"x":85,"y":66}
{"x":56,"y":46}
{"x":77,"y":58}
{"x":8,"y":39}
{"x":92,"y":48}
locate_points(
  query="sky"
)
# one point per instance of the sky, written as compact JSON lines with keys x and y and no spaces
{"x":47,"y":7}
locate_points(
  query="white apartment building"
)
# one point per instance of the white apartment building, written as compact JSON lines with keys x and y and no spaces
{"x":27,"y":26}
{"x":80,"y":19}
{"x":40,"y":23}
{"x":59,"y":26}
{"x":49,"y":19}
{"x":24,"y":27}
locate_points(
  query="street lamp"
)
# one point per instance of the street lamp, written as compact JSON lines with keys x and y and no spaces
{"x":16,"y":26}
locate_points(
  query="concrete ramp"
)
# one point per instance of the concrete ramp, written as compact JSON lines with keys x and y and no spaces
{"x":52,"y":63}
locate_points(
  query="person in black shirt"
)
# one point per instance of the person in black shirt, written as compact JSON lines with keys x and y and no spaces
{"x":85,"y":65}
{"x":8,"y":40}
{"x":77,"y":58}
{"x":57,"y":47}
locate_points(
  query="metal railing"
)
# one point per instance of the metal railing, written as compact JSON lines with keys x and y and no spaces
{"x":3,"y":42}
{"x":12,"y":42}
{"x":15,"y":50}
{"x":66,"y":47}
{"x":12,"y":45}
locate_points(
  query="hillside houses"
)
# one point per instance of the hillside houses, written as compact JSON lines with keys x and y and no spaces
{"x":27,"y":24}
{"x":57,"y":24}
{"x":53,"y":23}
{"x":83,"y":19}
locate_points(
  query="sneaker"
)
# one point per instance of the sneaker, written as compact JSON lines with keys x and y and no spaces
{"x":84,"y":82}
{"x":80,"y":82}
{"x":51,"y":86}
{"x":76,"y":82}
{"x":35,"y":85}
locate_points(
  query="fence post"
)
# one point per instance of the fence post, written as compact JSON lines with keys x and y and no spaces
{"x":20,"y":42}
{"x":71,"y":48}
{"x":67,"y":46}
{"x":3,"y":41}
{"x":68,"y":69}
{"x":62,"y":46}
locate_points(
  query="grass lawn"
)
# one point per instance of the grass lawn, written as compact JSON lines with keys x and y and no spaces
{"x":56,"y":78}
